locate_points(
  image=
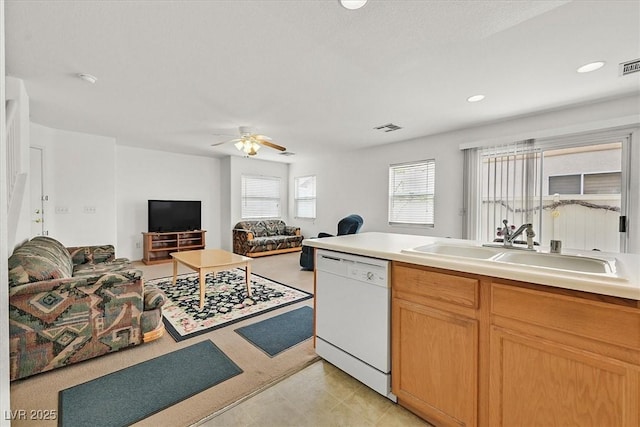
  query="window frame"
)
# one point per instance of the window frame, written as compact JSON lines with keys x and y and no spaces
{"x":428,"y":191}
{"x":583,"y":184}
{"x":297,"y":198}
{"x":244,"y":199}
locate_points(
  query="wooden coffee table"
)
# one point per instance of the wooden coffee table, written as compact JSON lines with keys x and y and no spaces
{"x":210,"y":261}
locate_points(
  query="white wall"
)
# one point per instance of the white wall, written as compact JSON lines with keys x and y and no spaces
{"x":356,"y":182}
{"x":226,"y":222}
{"x":79,"y":178}
{"x":634,"y":195}
{"x":19,"y":226}
{"x":238,"y":166}
{"x":5,"y":404}
{"x":149,"y":174}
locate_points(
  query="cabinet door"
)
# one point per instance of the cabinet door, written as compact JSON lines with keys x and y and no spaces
{"x":434,"y":363}
{"x":536,"y":382}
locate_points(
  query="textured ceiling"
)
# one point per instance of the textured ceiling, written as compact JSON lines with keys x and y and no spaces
{"x":176,"y":75}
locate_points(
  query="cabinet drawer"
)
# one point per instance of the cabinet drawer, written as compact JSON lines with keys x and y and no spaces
{"x":604,"y":322}
{"x":443,"y":287}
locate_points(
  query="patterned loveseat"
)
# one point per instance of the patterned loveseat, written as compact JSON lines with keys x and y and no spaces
{"x":71,"y":304}
{"x":265,"y":237}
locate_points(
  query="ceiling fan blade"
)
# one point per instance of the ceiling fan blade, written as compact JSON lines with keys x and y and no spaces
{"x":262,"y":137}
{"x":215,"y":144}
{"x":271,"y":145}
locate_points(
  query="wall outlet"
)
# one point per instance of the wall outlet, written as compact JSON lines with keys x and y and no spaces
{"x":138,"y":245}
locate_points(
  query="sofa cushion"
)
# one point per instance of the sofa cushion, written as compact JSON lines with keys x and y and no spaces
{"x":259,"y":230}
{"x":273,"y":227}
{"x":56,"y":251}
{"x":41,"y":258}
{"x":92,"y":254}
{"x":99,"y":269}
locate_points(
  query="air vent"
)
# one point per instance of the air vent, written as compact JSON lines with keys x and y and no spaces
{"x":390,"y":127}
{"x":630,"y":67}
{"x":287,"y":153}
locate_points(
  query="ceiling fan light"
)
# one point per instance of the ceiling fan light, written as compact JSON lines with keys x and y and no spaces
{"x":239,"y":145}
{"x":353,"y":4}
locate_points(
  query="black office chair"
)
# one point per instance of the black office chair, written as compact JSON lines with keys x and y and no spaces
{"x":347,"y":225}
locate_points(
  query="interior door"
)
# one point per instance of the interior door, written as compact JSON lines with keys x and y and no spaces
{"x":36,"y":156}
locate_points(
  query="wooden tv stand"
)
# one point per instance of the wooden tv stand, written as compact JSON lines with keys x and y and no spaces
{"x":157,"y":247}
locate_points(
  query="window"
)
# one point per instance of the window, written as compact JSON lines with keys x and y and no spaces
{"x":508,"y":187}
{"x":412,"y":193}
{"x":563,"y":186}
{"x":260,"y":197}
{"x":305,"y":197}
{"x":588,"y":183}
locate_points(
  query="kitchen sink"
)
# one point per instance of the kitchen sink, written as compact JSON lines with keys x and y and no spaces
{"x":464,"y":251}
{"x":524,"y":258}
{"x":559,"y":262}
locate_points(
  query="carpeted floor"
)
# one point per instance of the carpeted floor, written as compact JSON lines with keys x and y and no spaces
{"x":226,"y":301}
{"x":40,"y":392}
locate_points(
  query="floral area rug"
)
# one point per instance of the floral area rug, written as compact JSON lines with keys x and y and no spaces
{"x":226,"y":301}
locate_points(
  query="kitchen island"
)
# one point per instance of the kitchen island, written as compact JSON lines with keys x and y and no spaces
{"x":477,"y":341}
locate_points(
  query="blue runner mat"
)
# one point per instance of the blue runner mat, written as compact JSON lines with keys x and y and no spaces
{"x":131,"y":394}
{"x":281,"y":332}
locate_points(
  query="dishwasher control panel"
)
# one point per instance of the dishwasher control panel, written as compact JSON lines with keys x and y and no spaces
{"x":368,"y":273}
{"x":368,"y":270}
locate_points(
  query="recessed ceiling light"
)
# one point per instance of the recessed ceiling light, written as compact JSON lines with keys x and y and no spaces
{"x":475,"y":98}
{"x":592,"y":66}
{"x":353,"y":4}
{"x":88,"y":78}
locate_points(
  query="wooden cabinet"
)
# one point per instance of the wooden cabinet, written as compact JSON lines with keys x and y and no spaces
{"x":435,"y":345}
{"x":157,"y":247}
{"x":562,"y":360}
{"x":470,"y":350}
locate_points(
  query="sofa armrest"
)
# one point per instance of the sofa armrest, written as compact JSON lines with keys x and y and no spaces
{"x":119,"y":277}
{"x":291,"y":230}
{"x":47,"y":286}
{"x":243,"y":234}
{"x":241,"y":239}
{"x":92,"y":254}
{"x":153,"y":297}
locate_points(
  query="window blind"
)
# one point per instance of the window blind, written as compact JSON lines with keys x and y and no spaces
{"x":412,"y":193}
{"x":603,"y":183}
{"x":305,"y":197}
{"x":260,"y":197}
{"x":565,"y":184}
{"x":508,"y":177}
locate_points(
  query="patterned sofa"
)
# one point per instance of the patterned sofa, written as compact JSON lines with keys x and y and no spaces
{"x":71,"y":304}
{"x":265,"y":237}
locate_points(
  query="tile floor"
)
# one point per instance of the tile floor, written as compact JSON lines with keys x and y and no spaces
{"x":320,"y":395}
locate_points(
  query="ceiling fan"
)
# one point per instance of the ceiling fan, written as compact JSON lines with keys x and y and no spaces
{"x":250,"y":142}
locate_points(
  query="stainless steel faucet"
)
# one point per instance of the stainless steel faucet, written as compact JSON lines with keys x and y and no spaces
{"x":509,"y":235}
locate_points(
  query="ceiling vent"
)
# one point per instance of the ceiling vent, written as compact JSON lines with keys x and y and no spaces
{"x":630,"y":67}
{"x":390,"y":127}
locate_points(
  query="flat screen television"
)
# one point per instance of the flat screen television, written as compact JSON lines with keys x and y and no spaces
{"x":174,"y":215}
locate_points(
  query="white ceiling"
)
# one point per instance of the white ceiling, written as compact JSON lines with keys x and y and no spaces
{"x":173,"y":75}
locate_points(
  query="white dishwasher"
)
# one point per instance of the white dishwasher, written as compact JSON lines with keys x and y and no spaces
{"x":353,"y":303}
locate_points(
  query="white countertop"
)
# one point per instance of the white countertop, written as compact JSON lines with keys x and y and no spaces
{"x":625,"y":283}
